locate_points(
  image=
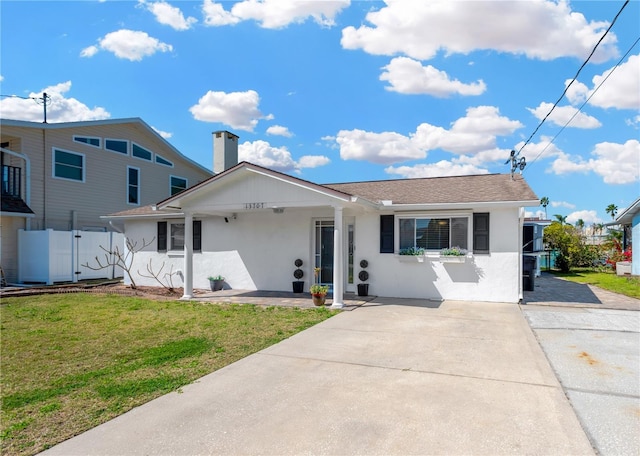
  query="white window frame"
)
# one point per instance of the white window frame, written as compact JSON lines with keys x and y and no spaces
{"x":171,"y":237}
{"x":129,"y":184}
{"x":150,"y":160}
{"x":436,"y":215}
{"x":186,"y":182}
{"x":99,"y":146}
{"x":169,"y":162}
{"x":115,"y":151}
{"x":53,"y":165}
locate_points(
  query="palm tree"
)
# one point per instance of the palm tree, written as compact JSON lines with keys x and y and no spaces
{"x":561,"y":218}
{"x":612,"y":209}
{"x":580,"y":224}
{"x":544,"y":202}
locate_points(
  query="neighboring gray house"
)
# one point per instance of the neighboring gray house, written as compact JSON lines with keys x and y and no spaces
{"x":64,"y":176}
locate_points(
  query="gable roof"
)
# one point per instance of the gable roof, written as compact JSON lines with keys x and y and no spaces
{"x":257,"y":169}
{"x":482,"y":188}
{"x":89,"y":123}
{"x":456,"y":190}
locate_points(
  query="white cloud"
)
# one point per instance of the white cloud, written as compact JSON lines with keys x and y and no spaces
{"x":633,"y":122}
{"x":622,"y":88}
{"x":561,"y":115}
{"x":89,"y":51}
{"x":408,"y":76}
{"x":472,"y":137}
{"x":439,"y":169}
{"x":383,"y":148}
{"x":164,"y":134}
{"x":476,"y":132}
{"x":279,"y":130}
{"x":168,"y":15}
{"x":128,"y":44}
{"x":536,"y":151}
{"x":277,"y":158}
{"x":615,"y":163}
{"x":588,"y":217}
{"x":313,"y":161}
{"x":236,"y":109}
{"x":215,"y":14}
{"x":274,"y":14}
{"x":562,"y":204}
{"x":59,"y":108}
{"x":538,"y":29}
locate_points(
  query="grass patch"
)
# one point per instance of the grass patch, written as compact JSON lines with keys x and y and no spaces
{"x":625,"y":285}
{"x":70,"y":362}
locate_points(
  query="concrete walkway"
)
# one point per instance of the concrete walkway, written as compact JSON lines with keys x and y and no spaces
{"x":391,"y":377}
{"x":592,"y":340}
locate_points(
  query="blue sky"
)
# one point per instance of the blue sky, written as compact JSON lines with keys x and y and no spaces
{"x":338,"y":91}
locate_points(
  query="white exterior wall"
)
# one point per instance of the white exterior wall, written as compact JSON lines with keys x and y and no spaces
{"x":256,"y":251}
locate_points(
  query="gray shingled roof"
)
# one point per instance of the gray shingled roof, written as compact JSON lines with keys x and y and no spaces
{"x":485,"y":188}
{"x":442,"y":190}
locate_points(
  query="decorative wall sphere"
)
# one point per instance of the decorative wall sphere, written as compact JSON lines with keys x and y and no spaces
{"x":298,"y":262}
{"x":364,"y":263}
{"x":363,"y":276}
{"x":298,"y":273}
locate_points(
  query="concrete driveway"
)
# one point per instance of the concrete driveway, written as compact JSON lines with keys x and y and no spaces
{"x":592,"y":340}
{"x":390,"y":377}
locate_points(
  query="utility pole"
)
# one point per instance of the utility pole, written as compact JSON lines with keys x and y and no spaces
{"x":44,"y":100}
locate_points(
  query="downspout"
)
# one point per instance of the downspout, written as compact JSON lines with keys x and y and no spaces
{"x":520,"y":251}
{"x":27,"y":183}
{"x":44,"y":180}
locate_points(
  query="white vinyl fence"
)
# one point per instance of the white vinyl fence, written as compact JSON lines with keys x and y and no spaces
{"x":57,"y":256}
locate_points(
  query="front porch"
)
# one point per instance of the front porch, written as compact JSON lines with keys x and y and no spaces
{"x":351,"y":301}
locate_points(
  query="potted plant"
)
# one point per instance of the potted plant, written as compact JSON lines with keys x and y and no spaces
{"x":319,"y":293}
{"x":363,"y":288}
{"x":216,"y":282}
{"x":298,"y":285}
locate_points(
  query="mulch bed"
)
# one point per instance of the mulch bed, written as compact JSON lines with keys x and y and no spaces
{"x":156,"y":293}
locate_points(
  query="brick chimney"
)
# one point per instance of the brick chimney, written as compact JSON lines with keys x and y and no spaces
{"x":225,"y":150}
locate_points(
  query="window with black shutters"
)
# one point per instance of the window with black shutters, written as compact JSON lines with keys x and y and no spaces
{"x":481,"y":232}
{"x":177,"y":236}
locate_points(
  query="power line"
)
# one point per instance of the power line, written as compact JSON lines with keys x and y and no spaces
{"x":44,"y":99}
{"x":574,"y":78}
{"x":585,"y":101}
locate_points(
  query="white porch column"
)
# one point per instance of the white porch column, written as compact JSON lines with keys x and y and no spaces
{"x":338,"y":279}
{"x":188,"y":256}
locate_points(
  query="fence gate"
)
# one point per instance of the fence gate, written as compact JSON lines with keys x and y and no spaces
{"x":57,"y":256}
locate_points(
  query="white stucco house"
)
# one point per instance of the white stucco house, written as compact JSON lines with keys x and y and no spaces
{"x":249,"y":224}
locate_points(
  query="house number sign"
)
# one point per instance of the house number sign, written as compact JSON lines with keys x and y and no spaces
{"x":254,"y":205}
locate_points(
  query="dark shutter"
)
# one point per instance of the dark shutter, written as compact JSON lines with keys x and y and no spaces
{"x":481,"y":232}
{"x":197,"y":236}
{"x":386,"y":233}
{"x":162,"y":236}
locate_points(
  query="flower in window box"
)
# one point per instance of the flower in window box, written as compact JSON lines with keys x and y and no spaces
{"x":453,"y":251}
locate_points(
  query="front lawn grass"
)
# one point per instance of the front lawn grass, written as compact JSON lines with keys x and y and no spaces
{"x":70,"y":362}
{"x":626,"y":285}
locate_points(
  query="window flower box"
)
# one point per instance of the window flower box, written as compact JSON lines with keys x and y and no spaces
{"x":411,"y":258}
{"x":452,"y":258}
{"x":453,"y":255}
